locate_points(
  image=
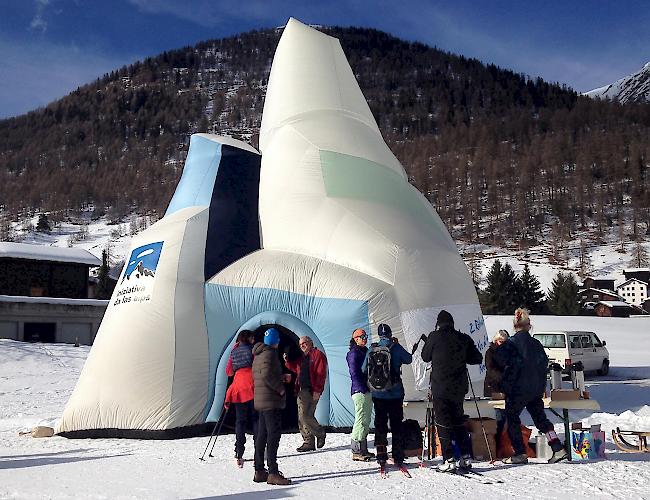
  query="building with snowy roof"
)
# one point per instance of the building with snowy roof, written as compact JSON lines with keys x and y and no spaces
{"x":633,"y":291}
{"x":44,"y":294}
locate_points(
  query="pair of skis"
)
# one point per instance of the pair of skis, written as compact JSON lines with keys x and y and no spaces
{"x":473,"y":476}
{"x":383,"y":472}
{"x":464,"y":473}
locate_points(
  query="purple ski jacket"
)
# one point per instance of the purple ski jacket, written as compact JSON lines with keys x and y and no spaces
{"x":355,"y":358}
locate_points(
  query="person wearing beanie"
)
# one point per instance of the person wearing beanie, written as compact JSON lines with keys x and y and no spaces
{"x":360,"y":396}
{"x":523,"y":382}
{"x":311,"y":373}
{"x":240,"y":392}
{"x":269,"y":400}
{"x":449,"y":352}
{"x":388,"y":401}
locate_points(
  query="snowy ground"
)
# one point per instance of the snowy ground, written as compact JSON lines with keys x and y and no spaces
{"x":37,"y":379}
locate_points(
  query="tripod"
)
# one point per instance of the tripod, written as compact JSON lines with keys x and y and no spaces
{"x":429,"y":434}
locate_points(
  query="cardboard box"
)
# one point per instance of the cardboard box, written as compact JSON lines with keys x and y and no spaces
{"x":473,"y":425}
{"x":480,"y":450}
{"x":564,"y":394}
{"x":586,"y":445}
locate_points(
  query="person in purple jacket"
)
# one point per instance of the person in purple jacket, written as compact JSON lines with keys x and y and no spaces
{"x":360,"y":396}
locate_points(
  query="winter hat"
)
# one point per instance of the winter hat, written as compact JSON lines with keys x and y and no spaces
{"x":271,"y":336}
{"x":445,"y":319}
{"x":521,"y":319}
{"x":384,"y":330}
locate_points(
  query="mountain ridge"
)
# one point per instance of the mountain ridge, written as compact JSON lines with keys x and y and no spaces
{"x":631,"y":88}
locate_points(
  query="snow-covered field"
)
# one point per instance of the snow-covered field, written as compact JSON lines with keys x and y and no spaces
{"x":37,"y":379}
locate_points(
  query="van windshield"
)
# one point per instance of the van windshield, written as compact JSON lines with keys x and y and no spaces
{"x":551,"y":340}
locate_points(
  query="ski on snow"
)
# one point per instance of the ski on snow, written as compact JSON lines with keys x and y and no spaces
{"x":472,"y":476}
{"x":384,"y":473}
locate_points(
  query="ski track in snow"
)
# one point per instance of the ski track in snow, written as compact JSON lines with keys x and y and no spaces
{"x":36,"y":381}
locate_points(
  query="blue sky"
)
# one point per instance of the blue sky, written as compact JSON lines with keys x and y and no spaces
{"x":50,"y":47}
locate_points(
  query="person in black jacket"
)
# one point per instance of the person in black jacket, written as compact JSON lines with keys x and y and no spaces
{"x":270,"y":400}
{"x":493,"y":376}
{"x":449,"y":351}
{"x":523,"y":382}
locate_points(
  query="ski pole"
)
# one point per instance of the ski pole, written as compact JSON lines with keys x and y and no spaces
{"x":480,"y":419}
{"x":214,"y":429}
{"x":223,"y":419}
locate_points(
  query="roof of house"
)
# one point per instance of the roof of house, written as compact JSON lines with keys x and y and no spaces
{"x":614,"y":303}
{"x":600,"y":290}
{"x":628,"y":281}
{"x":54,"y":300}
{"x":48,"y":253}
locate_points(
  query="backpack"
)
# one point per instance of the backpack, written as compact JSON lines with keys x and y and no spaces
{"x":380,"y":375}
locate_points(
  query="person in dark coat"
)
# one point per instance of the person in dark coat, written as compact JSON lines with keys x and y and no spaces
{"x":449,"y":352}
{"x":389,"y":404}
{"x":493,"y":375}
{"x":270,"y":400}
{"x":360,"y":396}
{"x":524,"y":382}
{"x":240,"y":393}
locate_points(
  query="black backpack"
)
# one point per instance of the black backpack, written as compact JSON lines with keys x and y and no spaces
{"x":380,"y":375}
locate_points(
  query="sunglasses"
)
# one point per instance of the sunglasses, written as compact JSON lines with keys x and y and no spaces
{"x":362,"y":337}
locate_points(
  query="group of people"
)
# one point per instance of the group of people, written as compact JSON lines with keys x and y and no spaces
{"x":258,"y":395}
{"x":516,"y":370}
{"x":516,"y":366}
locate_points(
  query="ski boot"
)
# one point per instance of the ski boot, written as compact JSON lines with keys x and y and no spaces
{"x":516,"y":459}
{"x":465,"y":462}
{"x":559,"y":451}
{"x":448,"y":465}
{"x":364,"y":450}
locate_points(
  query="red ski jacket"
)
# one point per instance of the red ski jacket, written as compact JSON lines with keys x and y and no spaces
{"x":317,"y":370}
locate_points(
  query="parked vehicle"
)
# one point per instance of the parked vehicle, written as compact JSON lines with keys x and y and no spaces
{"x":566,"y":347}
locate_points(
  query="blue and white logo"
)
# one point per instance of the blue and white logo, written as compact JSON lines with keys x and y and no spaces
{"x":139,"y":276}
{"x":143,"y":261}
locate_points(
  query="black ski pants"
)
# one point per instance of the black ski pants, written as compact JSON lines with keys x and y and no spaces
{"x":269,"y":431}
{"x":450,"y":424}
{"x":245,"y":418}
{"x":385,"y":410}
{"x":514,"y":407}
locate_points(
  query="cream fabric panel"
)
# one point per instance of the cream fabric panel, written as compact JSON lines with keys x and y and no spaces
{"x":310,"y":68}
{"x":128,"y":377}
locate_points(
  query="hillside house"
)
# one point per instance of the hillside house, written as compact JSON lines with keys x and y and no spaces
{"x":639,"y":273}
{"x":599,"y":283}
{"x":44,"y":294}
{"x":595,"y":295}
{"x":613,"y":308}
{"x":633,"y":291}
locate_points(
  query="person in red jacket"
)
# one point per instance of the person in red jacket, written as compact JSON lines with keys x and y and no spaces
{"x":240,"y":393}
{"x":311,"y":371}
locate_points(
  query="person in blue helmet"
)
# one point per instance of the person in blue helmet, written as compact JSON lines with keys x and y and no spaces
{"x":383,"y":366}
{"x":269,"y":400}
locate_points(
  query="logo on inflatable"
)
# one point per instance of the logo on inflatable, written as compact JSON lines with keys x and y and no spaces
{"x":136,"y":285}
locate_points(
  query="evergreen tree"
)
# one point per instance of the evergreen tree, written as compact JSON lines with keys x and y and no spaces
{"x":43,"y":224}
{"x":530,"y":294}
{"x":501,"y":290}
{"x":563,"y":295}
{"x":103,"y":281}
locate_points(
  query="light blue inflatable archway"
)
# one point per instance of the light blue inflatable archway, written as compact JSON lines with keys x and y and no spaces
{"x":328,"y":321}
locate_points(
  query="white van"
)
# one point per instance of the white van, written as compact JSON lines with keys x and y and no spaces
{"x":566,"y":347}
